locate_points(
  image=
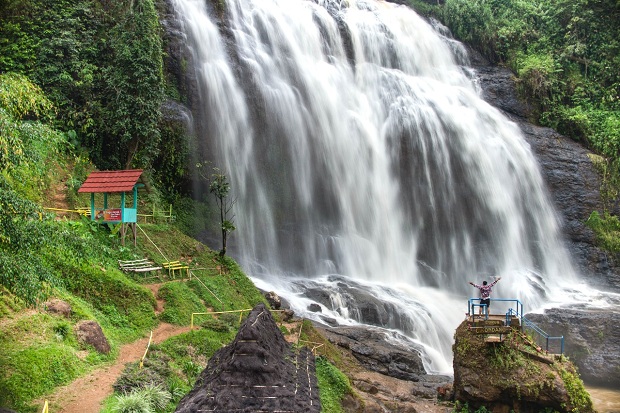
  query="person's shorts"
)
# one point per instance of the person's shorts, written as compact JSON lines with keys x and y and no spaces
{"x":486,"y":301}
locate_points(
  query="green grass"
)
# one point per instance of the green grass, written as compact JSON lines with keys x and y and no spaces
{"x":181,"y":302}
{"x":333,"y":386}
{"x":34,"y":370}
{"x":196,"y":343}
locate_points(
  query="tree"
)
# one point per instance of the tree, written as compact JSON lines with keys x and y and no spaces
{"x":220,"y":188}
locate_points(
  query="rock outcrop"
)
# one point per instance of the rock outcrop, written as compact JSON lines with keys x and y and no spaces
{"x":375,"y":353}
{"x":387,"y":377}
{"x":257,"y":372}
{"x":511,"y":375}
{"x":89,"y":332}
{"x":274,"y":300}
{"x":56,"y":306}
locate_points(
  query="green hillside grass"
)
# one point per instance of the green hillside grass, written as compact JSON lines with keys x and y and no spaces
{"x":40,"y":351}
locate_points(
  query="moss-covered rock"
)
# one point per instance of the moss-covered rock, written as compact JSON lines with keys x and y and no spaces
{"x":512,"y":375}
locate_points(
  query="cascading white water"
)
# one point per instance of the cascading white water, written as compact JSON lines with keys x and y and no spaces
{"x":366,"y":165}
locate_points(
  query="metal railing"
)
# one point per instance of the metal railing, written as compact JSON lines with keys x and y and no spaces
{"x":539,"y":335}
{"x":155,"y":214}
{"x":472,"y":306}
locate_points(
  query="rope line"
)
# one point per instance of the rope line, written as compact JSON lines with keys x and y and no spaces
{"x":149,"y":238}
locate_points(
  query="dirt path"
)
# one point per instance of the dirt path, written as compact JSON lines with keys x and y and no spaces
{"x":56,"y":195}
{"x":86,"y":394}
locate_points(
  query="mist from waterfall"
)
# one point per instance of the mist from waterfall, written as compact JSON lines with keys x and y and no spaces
{"x":365,"y":164}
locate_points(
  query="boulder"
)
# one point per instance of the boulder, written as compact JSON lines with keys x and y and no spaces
{"x":287,"y":315}
{"x":513,"y":376}
{"x":274,"y":300}
{"x":56,"y":306}
{"x":258,"y":371}
{"x":373,"y":350}
{"x":89,"y":332}
{"x":315,"y":308}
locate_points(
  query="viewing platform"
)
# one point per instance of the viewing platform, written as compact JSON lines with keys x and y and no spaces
{"x":497,"y":326}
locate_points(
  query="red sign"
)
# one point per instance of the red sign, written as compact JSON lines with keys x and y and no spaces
{"x":110,"y":214}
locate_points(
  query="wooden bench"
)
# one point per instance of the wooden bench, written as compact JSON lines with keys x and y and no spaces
{"x":142,"y":265}
{"x":173,"y":266}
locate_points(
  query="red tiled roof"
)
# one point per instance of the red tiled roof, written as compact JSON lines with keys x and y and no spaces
{"x":111,"y":181}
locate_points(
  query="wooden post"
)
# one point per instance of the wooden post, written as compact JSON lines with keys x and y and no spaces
{"x":123,"y":230}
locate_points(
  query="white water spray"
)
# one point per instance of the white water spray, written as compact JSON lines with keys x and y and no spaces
{"x":364,"y":159}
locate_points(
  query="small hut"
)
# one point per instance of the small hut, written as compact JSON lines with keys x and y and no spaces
{"x":124,"y":183}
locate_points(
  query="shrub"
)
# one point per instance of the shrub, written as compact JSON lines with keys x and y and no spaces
{"x":22,"y":236}
{"x":607,"y":230}
{"x":155,"y":371}
{"x":157,"y":396}
{"x":134,"y":402}
{"x":578,"y":395}
{"x":537,"y":77}
{"x":22,"y":99}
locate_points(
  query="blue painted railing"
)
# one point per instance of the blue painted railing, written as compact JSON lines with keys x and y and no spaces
{"x":517,"y":312}
{"x":472,"y":307}
{"x":540,"y":335}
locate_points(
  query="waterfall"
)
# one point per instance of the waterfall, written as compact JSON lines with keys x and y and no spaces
{"x":368,"y":171}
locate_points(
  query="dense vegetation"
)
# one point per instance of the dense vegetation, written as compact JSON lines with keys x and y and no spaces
{"x":101,"y":64}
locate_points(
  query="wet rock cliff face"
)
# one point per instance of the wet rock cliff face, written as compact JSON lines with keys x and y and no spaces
{"x":569,"y":173}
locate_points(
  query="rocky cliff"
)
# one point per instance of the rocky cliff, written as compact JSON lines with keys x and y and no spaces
{"x":591,"y":339}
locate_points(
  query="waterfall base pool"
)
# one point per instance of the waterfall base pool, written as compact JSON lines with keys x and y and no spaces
{"x":605,"y":400}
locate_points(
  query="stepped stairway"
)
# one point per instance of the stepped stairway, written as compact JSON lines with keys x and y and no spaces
{"x":497,"y":327}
